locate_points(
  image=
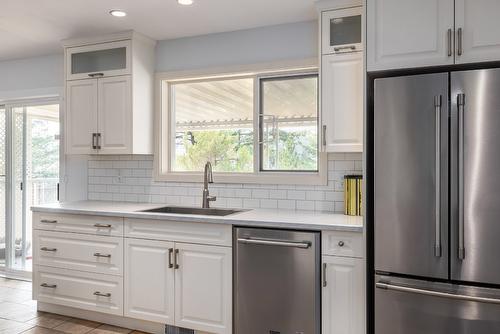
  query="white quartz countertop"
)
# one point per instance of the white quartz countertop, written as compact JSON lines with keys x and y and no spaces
{"x":309,"y":220}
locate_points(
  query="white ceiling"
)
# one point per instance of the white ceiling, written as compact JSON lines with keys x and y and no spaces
{"x":36,"y":27}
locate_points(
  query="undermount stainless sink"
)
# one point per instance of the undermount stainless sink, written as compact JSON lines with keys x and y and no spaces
{"x":184,"y":210}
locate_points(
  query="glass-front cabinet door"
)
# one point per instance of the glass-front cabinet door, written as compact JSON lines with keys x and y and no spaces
{"x":341,"y":30}
{"x":98,"y":60}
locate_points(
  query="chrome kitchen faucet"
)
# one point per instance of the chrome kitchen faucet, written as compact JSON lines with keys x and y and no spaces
{"x":207,"y":178}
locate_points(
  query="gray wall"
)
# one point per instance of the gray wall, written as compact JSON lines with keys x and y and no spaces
{"x":32,"y":76}
{"x":260,"y":45}
{"x":40,"y":76}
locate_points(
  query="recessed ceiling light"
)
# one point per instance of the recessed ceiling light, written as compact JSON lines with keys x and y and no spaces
{"x":185,"y":2}
{"x":117,"y":13}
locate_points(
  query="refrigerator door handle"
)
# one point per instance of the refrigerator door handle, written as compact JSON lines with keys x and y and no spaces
{"x":437,"y":245}
{"x":433,"y":293}
{"x":461,"y":242}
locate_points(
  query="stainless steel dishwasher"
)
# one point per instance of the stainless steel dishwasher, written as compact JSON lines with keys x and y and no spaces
{"x":276,"y":281}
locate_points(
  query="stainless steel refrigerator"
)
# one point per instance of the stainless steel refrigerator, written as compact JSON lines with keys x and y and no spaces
{"x":437,"y":203}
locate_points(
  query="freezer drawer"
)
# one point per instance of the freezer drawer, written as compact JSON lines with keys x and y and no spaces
{"x":422,"y":307}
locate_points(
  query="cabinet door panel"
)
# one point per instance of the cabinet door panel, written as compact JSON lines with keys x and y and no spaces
{"x":81,"y":116}
{"x":98,"y":60}
{"x":149,"y":281}
{"x":342,"y":102}
{"x":203,"y":288}
{"x":115,"y":115}
{"x":341,"y":30}
{"x":343,"y":296}
{"x":408,"y":33}
{"x":480,"y":26}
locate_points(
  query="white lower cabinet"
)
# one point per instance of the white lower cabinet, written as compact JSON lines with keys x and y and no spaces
{"x":343,"y":296}
{"x":181,"y":284}
{"x":87,"y":291}
{"x":203,"y":288}
{"x":149,"y":280}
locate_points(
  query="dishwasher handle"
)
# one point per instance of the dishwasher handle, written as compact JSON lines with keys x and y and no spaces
{"x":275,"y":242}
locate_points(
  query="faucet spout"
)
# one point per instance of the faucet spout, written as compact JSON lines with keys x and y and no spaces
{"x":207,"y":178}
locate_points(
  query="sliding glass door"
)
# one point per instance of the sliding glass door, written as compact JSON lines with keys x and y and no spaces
{"x":31,"y":153}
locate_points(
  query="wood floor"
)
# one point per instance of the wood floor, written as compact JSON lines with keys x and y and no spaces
{"x":18,"y":314}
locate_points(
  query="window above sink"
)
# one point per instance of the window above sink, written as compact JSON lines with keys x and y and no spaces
{"x":254,"y":127}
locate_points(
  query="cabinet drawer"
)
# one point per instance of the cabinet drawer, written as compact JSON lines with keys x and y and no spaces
{"x":342,"y":244}
{"x":198,"y":233}
{"x":88,"y":291}
{"x":98,"y":254}
{"x":80,"y":224}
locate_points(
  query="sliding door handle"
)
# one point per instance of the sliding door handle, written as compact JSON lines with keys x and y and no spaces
{"x":323,"y":135}
{"x":437,"y":244}
{"x":461,"y":237}
{"x":433,"y":293}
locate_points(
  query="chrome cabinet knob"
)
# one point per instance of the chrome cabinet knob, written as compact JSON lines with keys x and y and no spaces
{"x":341,"y":243}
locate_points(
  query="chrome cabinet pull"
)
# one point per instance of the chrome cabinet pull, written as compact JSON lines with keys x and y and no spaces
{"x":47,"y":221}
{"x":98,"y":140}
{"x":50,"y":286}
{"x":450,"y":47}
{"x":323,"y":135}
{"x":170,"y":251}
{"x":437,"y":244}
{"x":273,"y":242}
{"x":459,"y":42}
{"x":98,"y":74}
{"x":461,"y":242}
{"x":47,"y":249}
{"x":390,"y":286}
{"x":101,"y":294}
{"x":94,"y":140}
{"x":102,"y":255}
{"x":324,"y":275}
{"x":102,"y":225}
{"x":176,"y":259}
{"x":345,"y":48}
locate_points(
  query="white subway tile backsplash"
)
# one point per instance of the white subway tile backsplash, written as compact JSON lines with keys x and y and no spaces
{"x":129,"y":178}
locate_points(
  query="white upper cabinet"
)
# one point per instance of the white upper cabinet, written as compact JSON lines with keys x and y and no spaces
{"x":409,"y":33}
{"x":115,"y":115}
{"x":341,"y":30}
{"x":109,"y":95}
{"x":342,"y":102}
{"x":98,"y":60}
{"x":81,"y":116}
{"x":477,"y":27}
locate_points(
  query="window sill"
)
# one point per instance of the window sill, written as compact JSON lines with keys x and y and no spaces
{"x":292,"y":178}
